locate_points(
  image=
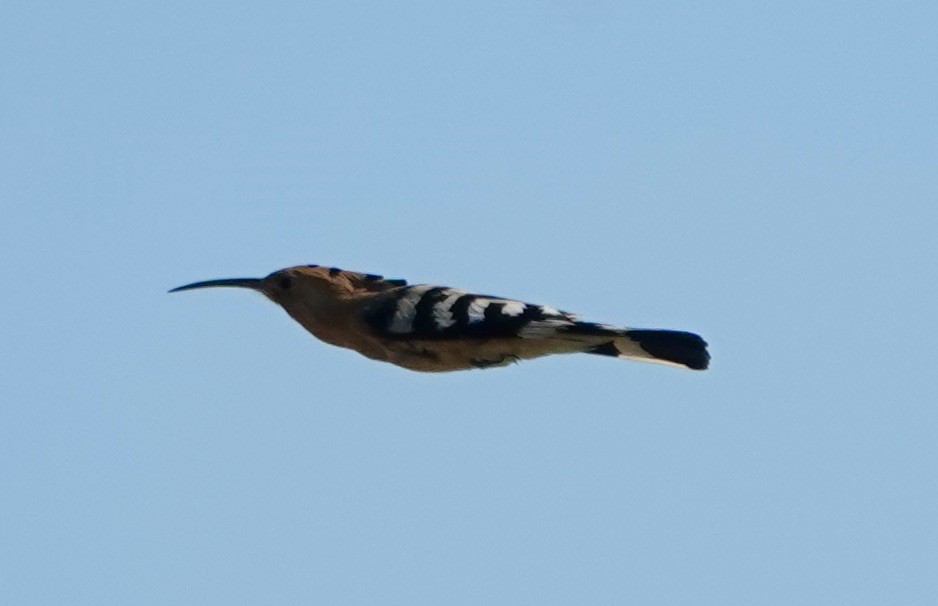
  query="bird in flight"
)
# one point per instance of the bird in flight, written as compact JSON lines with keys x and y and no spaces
{"x":437,"y":329}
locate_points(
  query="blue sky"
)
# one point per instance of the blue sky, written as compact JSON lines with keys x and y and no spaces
{"x":764,"y":175}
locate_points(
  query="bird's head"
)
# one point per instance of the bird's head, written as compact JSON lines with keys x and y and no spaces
{"x":291,"y":288}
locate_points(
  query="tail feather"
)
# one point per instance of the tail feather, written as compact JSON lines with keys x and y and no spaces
{"x":674,"y":347}
{"x":665,"y":346}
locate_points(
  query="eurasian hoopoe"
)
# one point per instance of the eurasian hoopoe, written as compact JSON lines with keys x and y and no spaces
{"x":434,"y":328}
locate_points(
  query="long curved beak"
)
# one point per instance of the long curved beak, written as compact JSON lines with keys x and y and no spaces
{"x":252,"y":283}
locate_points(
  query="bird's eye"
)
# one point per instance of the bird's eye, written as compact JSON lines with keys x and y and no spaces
{"x":285,"y":282}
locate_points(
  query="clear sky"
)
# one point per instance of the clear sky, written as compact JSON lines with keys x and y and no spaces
{"x":764,"y":175}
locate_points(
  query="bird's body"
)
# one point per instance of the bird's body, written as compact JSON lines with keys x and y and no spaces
{"x":435,"y":328}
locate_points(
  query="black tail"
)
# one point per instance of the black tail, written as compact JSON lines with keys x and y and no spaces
{"x":671,"y":346}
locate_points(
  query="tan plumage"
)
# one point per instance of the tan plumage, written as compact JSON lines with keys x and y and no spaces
{"x":434,"y":328}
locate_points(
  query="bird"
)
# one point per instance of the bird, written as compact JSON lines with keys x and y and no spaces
{"x":429,"y":328}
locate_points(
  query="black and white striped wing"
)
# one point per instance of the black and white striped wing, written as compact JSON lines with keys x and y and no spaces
{"x":439,"y":313}
{"x":499,"y":331}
